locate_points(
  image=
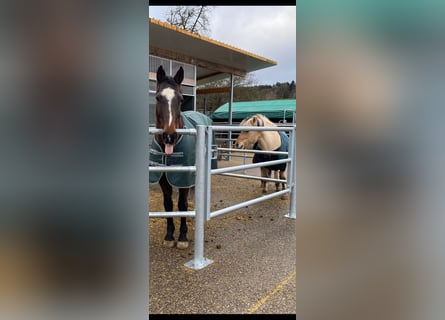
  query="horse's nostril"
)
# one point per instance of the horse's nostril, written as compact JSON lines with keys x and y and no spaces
{"x":166,"y":137}
{"x":169,"y":138}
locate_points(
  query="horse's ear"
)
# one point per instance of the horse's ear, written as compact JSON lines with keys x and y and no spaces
{"x":160,"y":75}
{"x":257,"y":121}
{"x":179,"y":76}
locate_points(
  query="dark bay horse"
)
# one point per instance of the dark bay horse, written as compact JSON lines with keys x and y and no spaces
{"x":267,"y":141}
{"x":171,"y":148}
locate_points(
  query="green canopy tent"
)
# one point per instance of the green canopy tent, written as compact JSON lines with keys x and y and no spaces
{"x":275,"y":110}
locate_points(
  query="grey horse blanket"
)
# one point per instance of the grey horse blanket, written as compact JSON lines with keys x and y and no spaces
{"x":269,"y":157}
{"x":183,"y":153}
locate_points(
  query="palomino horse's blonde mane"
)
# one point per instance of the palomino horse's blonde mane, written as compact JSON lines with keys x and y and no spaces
{"x":265,"y":120}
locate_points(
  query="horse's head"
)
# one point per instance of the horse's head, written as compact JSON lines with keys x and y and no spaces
{"x":168,"y":107}
{"x":247,"y":139}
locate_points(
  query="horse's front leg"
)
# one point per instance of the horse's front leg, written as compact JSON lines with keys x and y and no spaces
{"x":169,"y":239}
{"x":183,"y":242}
{"x":283,"y":184}
{"x":277,"y":184}
{"x":264,"y":174}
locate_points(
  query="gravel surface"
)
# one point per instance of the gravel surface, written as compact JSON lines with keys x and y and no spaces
{"x":253,"y":253}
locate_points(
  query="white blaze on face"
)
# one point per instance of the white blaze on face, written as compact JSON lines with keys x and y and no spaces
{"x":169,"y":93}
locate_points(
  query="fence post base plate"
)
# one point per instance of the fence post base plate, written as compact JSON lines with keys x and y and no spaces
{"x":204,"y":263}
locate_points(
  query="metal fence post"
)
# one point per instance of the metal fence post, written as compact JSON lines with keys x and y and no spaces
{"x":230,"y":114}
{"x":199,"y":261}
{"x":292,"y":178}
{"x":208,"y":167}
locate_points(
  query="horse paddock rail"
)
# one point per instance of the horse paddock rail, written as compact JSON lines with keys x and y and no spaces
{"x":204,"y":155}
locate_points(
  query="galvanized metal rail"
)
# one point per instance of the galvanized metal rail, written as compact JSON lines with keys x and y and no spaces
{"x":204,"y":155}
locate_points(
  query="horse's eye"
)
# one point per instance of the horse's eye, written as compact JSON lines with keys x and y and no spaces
{"x":158,"y":98}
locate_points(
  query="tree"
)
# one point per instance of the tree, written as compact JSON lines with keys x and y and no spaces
{"x":195,"y":19}
{"x":247,"y":81}
{"x":284,"y":90}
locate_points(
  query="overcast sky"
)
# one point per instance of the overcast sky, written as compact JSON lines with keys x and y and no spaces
{"x":268,"y":31}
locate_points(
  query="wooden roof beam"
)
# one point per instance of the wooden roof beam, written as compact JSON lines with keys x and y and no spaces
{"x":213,"y":90}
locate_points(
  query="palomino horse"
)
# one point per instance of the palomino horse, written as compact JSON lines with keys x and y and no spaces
{"x":267,"y":141}
{"x":171,"y":148}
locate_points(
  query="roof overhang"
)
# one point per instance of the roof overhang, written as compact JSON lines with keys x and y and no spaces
{"x":214,"y":59}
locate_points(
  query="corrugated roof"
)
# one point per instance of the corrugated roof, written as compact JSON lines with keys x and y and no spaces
{"x":214,"y":59}
{"x":273,"y":109}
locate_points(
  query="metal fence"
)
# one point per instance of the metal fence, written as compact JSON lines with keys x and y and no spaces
{"x":205,"y":153}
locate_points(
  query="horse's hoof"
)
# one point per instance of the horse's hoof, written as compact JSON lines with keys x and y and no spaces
{"x":285,"y":197}
{"x":182,"y":245}
{"x":169,"y":243}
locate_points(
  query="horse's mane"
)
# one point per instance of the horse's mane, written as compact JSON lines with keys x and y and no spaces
{"x":267,"y":122}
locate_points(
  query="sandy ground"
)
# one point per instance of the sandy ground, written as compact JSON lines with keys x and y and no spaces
{"x":252,"y":249}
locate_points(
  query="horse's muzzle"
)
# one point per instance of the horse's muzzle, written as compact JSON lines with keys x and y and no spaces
{"x":239,"y":146}
{"x":169,"y":138}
